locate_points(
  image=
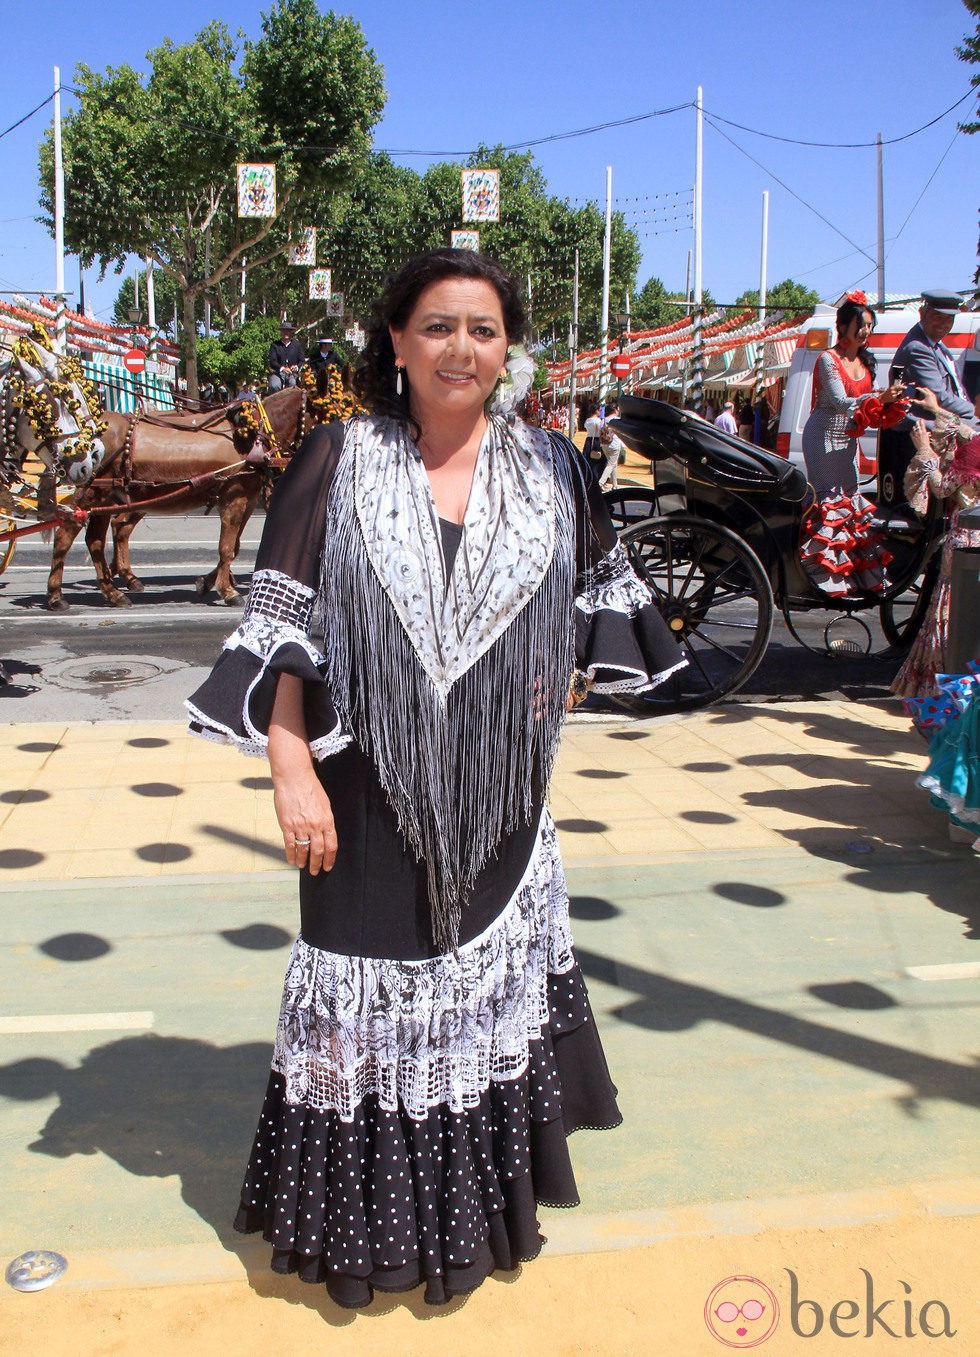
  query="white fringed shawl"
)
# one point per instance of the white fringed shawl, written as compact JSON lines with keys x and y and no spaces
{"x":454,"y":689}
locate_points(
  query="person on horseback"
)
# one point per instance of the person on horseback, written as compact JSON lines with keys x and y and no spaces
{"x":286,"y":357}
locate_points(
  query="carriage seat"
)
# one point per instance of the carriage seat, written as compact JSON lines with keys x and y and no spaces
{"x":657,"y":430}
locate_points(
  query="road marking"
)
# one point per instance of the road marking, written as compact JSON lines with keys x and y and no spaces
{"x":75,"y":1022}
{"x":948,"y":970}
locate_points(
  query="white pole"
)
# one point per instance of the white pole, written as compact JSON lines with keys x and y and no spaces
{"x":760,"y":348}
{"x":573,"y":349}
{"x":61,"y":326}
{"x":241,"y":309}
{"x":697,"y":391}
{"x":881,"y":231}
{"x":606,"y":265}
{"x":629,"y":340}
{"x":763,"y":262}
{"x":151,"y":309}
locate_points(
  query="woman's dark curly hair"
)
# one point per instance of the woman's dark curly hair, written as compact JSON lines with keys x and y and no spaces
{"x":374,"y":376}
{"x":847,"y":313}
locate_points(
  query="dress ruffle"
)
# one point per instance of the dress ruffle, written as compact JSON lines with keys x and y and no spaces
{"x":841,"y":548}
{"x":621,"y":640}
{"x":953,"y":774}
{"x":234,"y":704}
{"x":391,"y":1202}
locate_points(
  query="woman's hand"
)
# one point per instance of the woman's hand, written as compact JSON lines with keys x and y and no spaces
{"x":893,"y":393}
{"x":306,"y":819}
{"x":920,"y":437}
{"x":302,"y":806}
{"x":924,"y":396}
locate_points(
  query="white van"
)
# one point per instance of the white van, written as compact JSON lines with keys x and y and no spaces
{"x":818,"y":334}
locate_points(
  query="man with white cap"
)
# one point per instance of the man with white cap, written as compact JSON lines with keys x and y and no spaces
{"x":925,"y":358}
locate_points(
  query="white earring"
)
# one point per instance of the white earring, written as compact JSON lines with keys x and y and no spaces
{"x":398,"y":380}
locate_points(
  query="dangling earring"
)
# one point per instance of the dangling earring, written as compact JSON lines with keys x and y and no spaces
{"x":398,"y":379}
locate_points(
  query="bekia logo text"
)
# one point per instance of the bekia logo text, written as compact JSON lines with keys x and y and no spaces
{"x":900,"y":1317}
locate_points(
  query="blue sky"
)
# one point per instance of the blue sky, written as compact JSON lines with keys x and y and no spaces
{"x":458,"y":74}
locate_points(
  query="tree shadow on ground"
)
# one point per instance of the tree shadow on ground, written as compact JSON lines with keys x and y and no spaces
{"x":173,"y":1106}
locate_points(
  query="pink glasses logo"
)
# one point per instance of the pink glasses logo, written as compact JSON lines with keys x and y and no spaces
{"x":741,"y":1312}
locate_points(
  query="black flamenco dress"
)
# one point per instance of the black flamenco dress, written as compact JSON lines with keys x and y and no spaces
{"x":435,"y":1044}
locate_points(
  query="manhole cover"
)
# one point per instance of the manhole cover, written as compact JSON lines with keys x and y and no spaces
{"x":105,"y":672}
{"x":35,"y":1269}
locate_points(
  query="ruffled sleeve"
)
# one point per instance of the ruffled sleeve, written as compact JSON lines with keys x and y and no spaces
{"x":622,"y":643}
{"x":234,"y":704}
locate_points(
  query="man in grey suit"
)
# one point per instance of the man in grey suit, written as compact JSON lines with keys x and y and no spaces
{"x":926,"y":359}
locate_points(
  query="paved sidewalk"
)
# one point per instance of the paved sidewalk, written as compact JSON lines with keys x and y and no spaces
{"x":781,"y":946}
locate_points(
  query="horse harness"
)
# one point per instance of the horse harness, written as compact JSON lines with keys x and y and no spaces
{"x":121,"y":482}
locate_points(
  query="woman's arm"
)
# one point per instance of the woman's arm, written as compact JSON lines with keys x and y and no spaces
{"x":302,"y":806}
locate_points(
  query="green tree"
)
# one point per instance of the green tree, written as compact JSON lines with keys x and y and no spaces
{"x":151,"y":160}
{"x":166,"y":299}
{"x":787,"y":296}
{"x":969,"y":51}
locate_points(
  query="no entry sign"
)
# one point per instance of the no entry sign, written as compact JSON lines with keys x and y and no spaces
{"x":621,"y":366}
{"x":134,"y":360}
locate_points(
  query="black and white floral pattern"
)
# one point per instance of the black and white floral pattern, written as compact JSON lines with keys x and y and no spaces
{"x":420,"y":1034}
{"x":507,"y":544}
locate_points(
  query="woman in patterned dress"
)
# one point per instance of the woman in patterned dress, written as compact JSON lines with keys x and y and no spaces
{"x":839,"y":546}
{"x":435,"y":1044}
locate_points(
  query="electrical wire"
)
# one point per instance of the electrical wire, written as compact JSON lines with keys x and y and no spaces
{"x":845,"y":145}
{"x":923,"y":193}
{"x":791,"y":192}
{"x":20,"y":121}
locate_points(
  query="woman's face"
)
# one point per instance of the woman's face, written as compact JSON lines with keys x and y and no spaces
{"x":453,"y":347}
{"x":860,"y":328}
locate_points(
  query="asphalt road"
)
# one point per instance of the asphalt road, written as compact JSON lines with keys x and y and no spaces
{"x":95,"y":662}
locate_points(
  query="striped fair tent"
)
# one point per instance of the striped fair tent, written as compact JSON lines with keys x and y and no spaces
{"x":120,"y":389}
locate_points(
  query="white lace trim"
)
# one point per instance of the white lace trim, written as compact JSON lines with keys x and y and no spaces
{"x":635,"y":680}
{"x":425,"y":1033}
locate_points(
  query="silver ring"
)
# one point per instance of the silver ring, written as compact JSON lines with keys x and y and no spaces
{"x":301,"y":843}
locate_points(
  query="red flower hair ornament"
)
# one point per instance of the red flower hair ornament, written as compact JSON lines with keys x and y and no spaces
{"x":858,"y":298}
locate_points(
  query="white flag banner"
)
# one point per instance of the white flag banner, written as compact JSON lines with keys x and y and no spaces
{"x":302,"y":248}
{"x":320,"y":285}
{"x":256,"y":190}
{"x":481,"y":195}
{"x":465,"y":240}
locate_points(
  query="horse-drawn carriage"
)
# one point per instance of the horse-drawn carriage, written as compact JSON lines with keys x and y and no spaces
{"x":717,"y":538}
{"x":64,"y":465}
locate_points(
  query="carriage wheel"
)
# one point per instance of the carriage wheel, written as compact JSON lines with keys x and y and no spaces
{"x":716,"y":598}
{"x":901,"y":617}
{"x":7,"y":544}
{"x":631,"y":504}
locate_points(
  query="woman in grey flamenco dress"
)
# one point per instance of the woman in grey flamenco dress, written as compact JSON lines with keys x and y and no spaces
{"x":435,"y":1044}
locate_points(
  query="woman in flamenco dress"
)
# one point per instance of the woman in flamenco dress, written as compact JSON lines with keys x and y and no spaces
{"x":435,"y":1044}
{"x":946,"y":464}
{"x":840,"y":548}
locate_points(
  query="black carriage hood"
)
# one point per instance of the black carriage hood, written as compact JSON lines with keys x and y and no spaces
{"x":657,"y":430}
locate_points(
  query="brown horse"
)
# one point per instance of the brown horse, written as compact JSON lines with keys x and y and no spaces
{"x":169,"y":462}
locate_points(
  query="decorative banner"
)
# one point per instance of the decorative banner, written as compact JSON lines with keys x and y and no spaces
{"x":481,"y":195}
{"x":320,"y":285}
{"x":256,"y":190}
{"x":335,"y":306}
{"x":465,"y":240}
{"x":356,"y":336}
{"x":302,"y":249}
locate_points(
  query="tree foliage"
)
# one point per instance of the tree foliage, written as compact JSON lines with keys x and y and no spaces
{"x":150,"y":160}
{"x":166,"y":299}
{"x":969,"y":51}
{"x":653,"y":306}
{"x":787,"y":296}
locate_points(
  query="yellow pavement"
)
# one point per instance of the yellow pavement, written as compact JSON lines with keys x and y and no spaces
{"x":780,"y":783}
